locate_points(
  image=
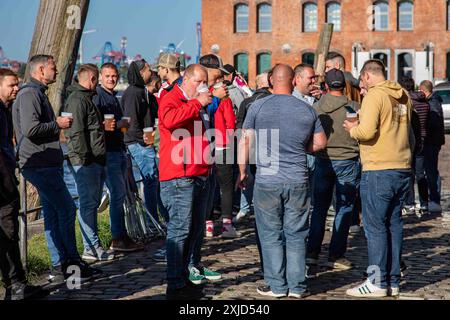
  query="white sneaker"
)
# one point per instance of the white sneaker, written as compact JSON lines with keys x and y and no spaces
{"x":394,"y":292}
{"x":434,"y":207}
{"x":239,"y":217}
{"x":367,"y":290}
{"x":409,"y":210}
{"x":229,"y":232}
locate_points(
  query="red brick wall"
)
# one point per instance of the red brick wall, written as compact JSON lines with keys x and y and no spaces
{"x":218,"y":27}
{"x":444,"y":163}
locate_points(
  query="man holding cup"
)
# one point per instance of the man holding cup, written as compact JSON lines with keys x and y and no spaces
{"x":116,"y":162}
{"x":87,"y":154}
{"x":337,"y":167}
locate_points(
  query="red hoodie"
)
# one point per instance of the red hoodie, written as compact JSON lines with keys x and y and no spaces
{"x":185,"y":154}
{"x":225,"y":123}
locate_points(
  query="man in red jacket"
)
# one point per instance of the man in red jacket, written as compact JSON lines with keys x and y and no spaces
{"x":185,"y":159}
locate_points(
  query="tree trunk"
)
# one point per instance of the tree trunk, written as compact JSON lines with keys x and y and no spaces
{"x":322,"y":49}
{"x":58,"y":31}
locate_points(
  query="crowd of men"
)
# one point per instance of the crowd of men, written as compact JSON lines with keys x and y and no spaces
{"x":294,"y":147}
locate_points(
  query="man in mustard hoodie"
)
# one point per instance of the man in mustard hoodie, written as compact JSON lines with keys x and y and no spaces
{"x":385,"y":121}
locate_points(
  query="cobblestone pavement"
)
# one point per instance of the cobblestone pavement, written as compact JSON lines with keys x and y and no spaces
{"x":137,"y":276}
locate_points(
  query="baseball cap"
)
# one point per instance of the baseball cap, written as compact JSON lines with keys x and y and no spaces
{"x":213,"y":61}
{"x":229,"y":68}
{"x":168,"y":60}
{"x":335,"y":79}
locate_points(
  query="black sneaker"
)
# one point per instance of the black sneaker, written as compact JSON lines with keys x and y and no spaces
{"x":186,"y":293}
{"x":86,"y":271}
{"x":312,"y":259}
{"x":267,"y":292}
{"x":24,"y":291}
{"x":56,"y":276}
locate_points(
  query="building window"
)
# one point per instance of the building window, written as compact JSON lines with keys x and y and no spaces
{"x":381,"y":14}
{"x":334,"y":15}
{"x":448,"y":15}
{"x":264,"y":17}
{"x":241,"y":63}
{"x":448,"y":66}
{"x":405,"y":65}
{"x":264,"y":62}
{"x":310,"y":17}
{"x":383,"y":57}
{"x":405,"y":15}
{"x":241,"y":18}
{"x":308,"y":58}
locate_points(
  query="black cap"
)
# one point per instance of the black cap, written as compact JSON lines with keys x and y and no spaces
{"x":335,"y":79}
{"x":229,"y":68}
{"x":213,"y":61}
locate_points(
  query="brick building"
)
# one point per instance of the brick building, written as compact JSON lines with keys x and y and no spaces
{"x":412,"y":37}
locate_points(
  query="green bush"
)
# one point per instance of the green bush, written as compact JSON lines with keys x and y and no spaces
{"x":39,"y":258}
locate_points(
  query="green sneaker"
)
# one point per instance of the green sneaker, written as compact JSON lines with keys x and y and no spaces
{"x":209,"y":274}
{"x":195,"y":277}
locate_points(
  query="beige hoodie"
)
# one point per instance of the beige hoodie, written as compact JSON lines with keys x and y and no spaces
{"x":385,"y":120}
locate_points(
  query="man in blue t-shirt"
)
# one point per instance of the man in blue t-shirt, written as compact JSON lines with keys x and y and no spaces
{"x":283,"y":129}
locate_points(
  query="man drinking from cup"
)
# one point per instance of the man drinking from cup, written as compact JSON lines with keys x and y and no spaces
{"x":116,"y":163}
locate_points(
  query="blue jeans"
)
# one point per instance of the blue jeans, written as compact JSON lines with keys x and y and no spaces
{"x":431,"y":153}
{"x":145,"y":158}
{"x":115,"y":169}
{"x":186,"y":200}
{"x":282,"y":217}
{"x":90,"y":180}
{"x":345,"y":175}
{"x":59,"y":212}
{"x":247,"y":194}
{"x":383,"y":195}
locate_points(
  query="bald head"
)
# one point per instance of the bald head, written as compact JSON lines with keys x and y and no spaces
{"x":194,"y":76}
{"x":282,"y":79}
{"x":194,"y":69}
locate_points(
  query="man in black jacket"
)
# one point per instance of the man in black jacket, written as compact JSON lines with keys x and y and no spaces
{"x":142,"y":108}
{"x":116,"y":161}
{"x":87,"y":154}
{"x":11,"y":268}
{"x":432,"y":146}
{"x":41,"y":159}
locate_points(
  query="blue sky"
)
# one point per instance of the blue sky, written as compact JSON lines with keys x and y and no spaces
{"x":148,"y":25}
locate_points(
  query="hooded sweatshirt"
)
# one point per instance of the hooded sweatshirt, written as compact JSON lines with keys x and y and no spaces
{"x":383,"y":132}
{"x":139,"y":106}
{"x":436,"y":131}
{"x":422,"y":107}
{"x":332,"y":113}
{"x":86,"y":138}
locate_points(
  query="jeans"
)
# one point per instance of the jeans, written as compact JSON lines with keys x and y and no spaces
{"x":186,"y":200}
{"x":145,"y":158}
{"x":59,"y":212}
{"x":282,"y":219}
{"x":115,"y":169}
{"x":432,"y":171}
{"x":418,"y":174}
{"x":90,"y":180}
{"x":225,"y":179}
{"x":383,"y":194}
{"x":344,"y":175}
{"x":247,"y":194}
{"x":10,"y":264}
{"x":311,"y":162}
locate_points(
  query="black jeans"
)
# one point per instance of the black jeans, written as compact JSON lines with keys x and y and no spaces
{"x":10,"y":264}
{"x":419,"y":166}
{"x":224,"y":171}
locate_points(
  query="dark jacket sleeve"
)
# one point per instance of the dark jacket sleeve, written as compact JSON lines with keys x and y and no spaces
{"x":415,"y":123}
{"x":30,"y":112}
{"x":8,"y":183}
{"x":242,"y":113}
{"x":78,"y":142}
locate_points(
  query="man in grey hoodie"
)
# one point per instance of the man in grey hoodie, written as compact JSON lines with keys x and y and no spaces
{"x":337,"y":167}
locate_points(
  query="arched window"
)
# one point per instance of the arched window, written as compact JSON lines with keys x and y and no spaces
{"x":241,"y":18}
{"x":241,"y":63}
{"x":308,"y":58}
{"x":309,"y":17}
{"x":264,"y":18}
{"x":405,"y":15}
{"x":405,"y":65}
{"x":264,"y":62}
{"x":334,"y":15}
{"x":381,"y":12}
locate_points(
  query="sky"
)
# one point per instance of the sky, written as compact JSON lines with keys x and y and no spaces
{"x":149,"y":26}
